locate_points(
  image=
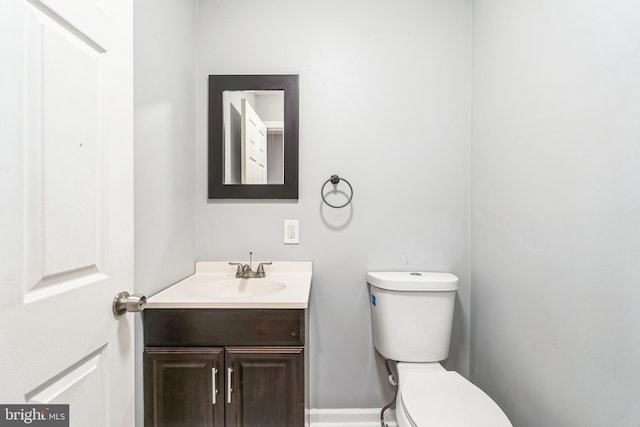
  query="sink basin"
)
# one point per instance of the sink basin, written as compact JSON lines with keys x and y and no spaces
{"x":214,"y":285}
{"x":234,"y":288}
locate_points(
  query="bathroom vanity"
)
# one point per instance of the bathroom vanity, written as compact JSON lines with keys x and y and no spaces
{"x":221,"y":351}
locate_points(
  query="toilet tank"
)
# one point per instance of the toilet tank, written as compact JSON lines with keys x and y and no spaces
{"x":412,"y":314}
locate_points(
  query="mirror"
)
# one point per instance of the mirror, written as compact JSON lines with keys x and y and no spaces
{"x":253,"y":137}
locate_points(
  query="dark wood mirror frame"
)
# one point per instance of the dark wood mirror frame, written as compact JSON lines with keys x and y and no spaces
{"x":217,"y":85}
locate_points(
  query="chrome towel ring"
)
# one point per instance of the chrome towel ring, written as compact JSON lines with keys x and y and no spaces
{"x":335,"y":179}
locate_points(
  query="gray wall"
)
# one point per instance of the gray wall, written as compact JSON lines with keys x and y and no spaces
{"x":384,"y":102}
{"x":555,"y":208}
{"x":554,"y":172}
{"x":164,"y":49}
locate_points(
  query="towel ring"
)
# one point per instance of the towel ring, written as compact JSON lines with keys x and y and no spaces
{"x":335,"y":179}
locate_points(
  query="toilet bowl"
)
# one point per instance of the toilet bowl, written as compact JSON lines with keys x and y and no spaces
{"x":412,"y":316}
{"x":430,"y":396}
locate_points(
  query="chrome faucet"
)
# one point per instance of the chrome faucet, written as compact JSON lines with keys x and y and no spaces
{"x":245,"y":271}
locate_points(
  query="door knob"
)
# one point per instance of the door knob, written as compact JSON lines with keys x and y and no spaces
{"x":124,"y":302}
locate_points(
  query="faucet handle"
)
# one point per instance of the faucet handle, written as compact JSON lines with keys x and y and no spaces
{"x":239,"y":269}
{"x":260,"y":271}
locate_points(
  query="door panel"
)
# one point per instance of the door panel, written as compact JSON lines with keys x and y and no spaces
{"x":71,"y":386}
{"x":64,"y":144}
{"x":67,"y":220}
{"x":267,"y":387}
{"x":253,"y":147}
{"x":181,"y":385}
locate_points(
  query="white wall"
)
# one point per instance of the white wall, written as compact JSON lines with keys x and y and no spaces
{"x":164,"y":39}
{"x":384,"y":102}
{"x":556,"y":210}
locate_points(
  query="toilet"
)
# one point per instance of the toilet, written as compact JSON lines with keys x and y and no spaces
{"x":412,"y":316}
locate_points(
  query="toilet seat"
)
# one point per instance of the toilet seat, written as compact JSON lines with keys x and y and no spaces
{"x":445,"y":398}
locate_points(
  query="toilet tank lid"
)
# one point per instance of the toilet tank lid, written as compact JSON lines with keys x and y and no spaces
{"x":413,"y":281}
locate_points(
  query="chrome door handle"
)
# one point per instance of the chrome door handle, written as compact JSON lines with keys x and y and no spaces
{"x":214,"y":380}
{"x":124,"y":302}
{"x":229,"y":388}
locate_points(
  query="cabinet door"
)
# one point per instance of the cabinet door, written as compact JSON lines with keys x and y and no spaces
{"x":265,"y":387}
{"x":184,"y":387}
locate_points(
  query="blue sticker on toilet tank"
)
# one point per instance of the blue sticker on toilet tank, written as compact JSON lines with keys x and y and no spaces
{"x":373,"y":300}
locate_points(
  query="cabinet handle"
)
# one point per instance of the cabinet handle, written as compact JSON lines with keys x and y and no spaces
{"x":214,"y":384}
{"x":229,"y":379}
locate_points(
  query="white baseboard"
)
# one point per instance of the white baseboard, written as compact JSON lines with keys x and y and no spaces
{"x":351,"y":417}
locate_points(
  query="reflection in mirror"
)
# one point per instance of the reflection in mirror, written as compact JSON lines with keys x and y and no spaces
{"x":253,"y":137}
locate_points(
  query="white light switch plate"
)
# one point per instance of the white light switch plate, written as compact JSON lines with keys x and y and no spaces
{"x":291,"y":232}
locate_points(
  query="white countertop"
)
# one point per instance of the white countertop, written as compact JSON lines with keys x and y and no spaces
{"x":291,"y":279}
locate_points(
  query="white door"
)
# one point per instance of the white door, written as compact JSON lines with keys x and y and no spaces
{"x":253,"y":147}
{"x":66,"y":197}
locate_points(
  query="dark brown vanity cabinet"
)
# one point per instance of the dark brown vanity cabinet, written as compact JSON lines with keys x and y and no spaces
{"x":247,"y":383}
